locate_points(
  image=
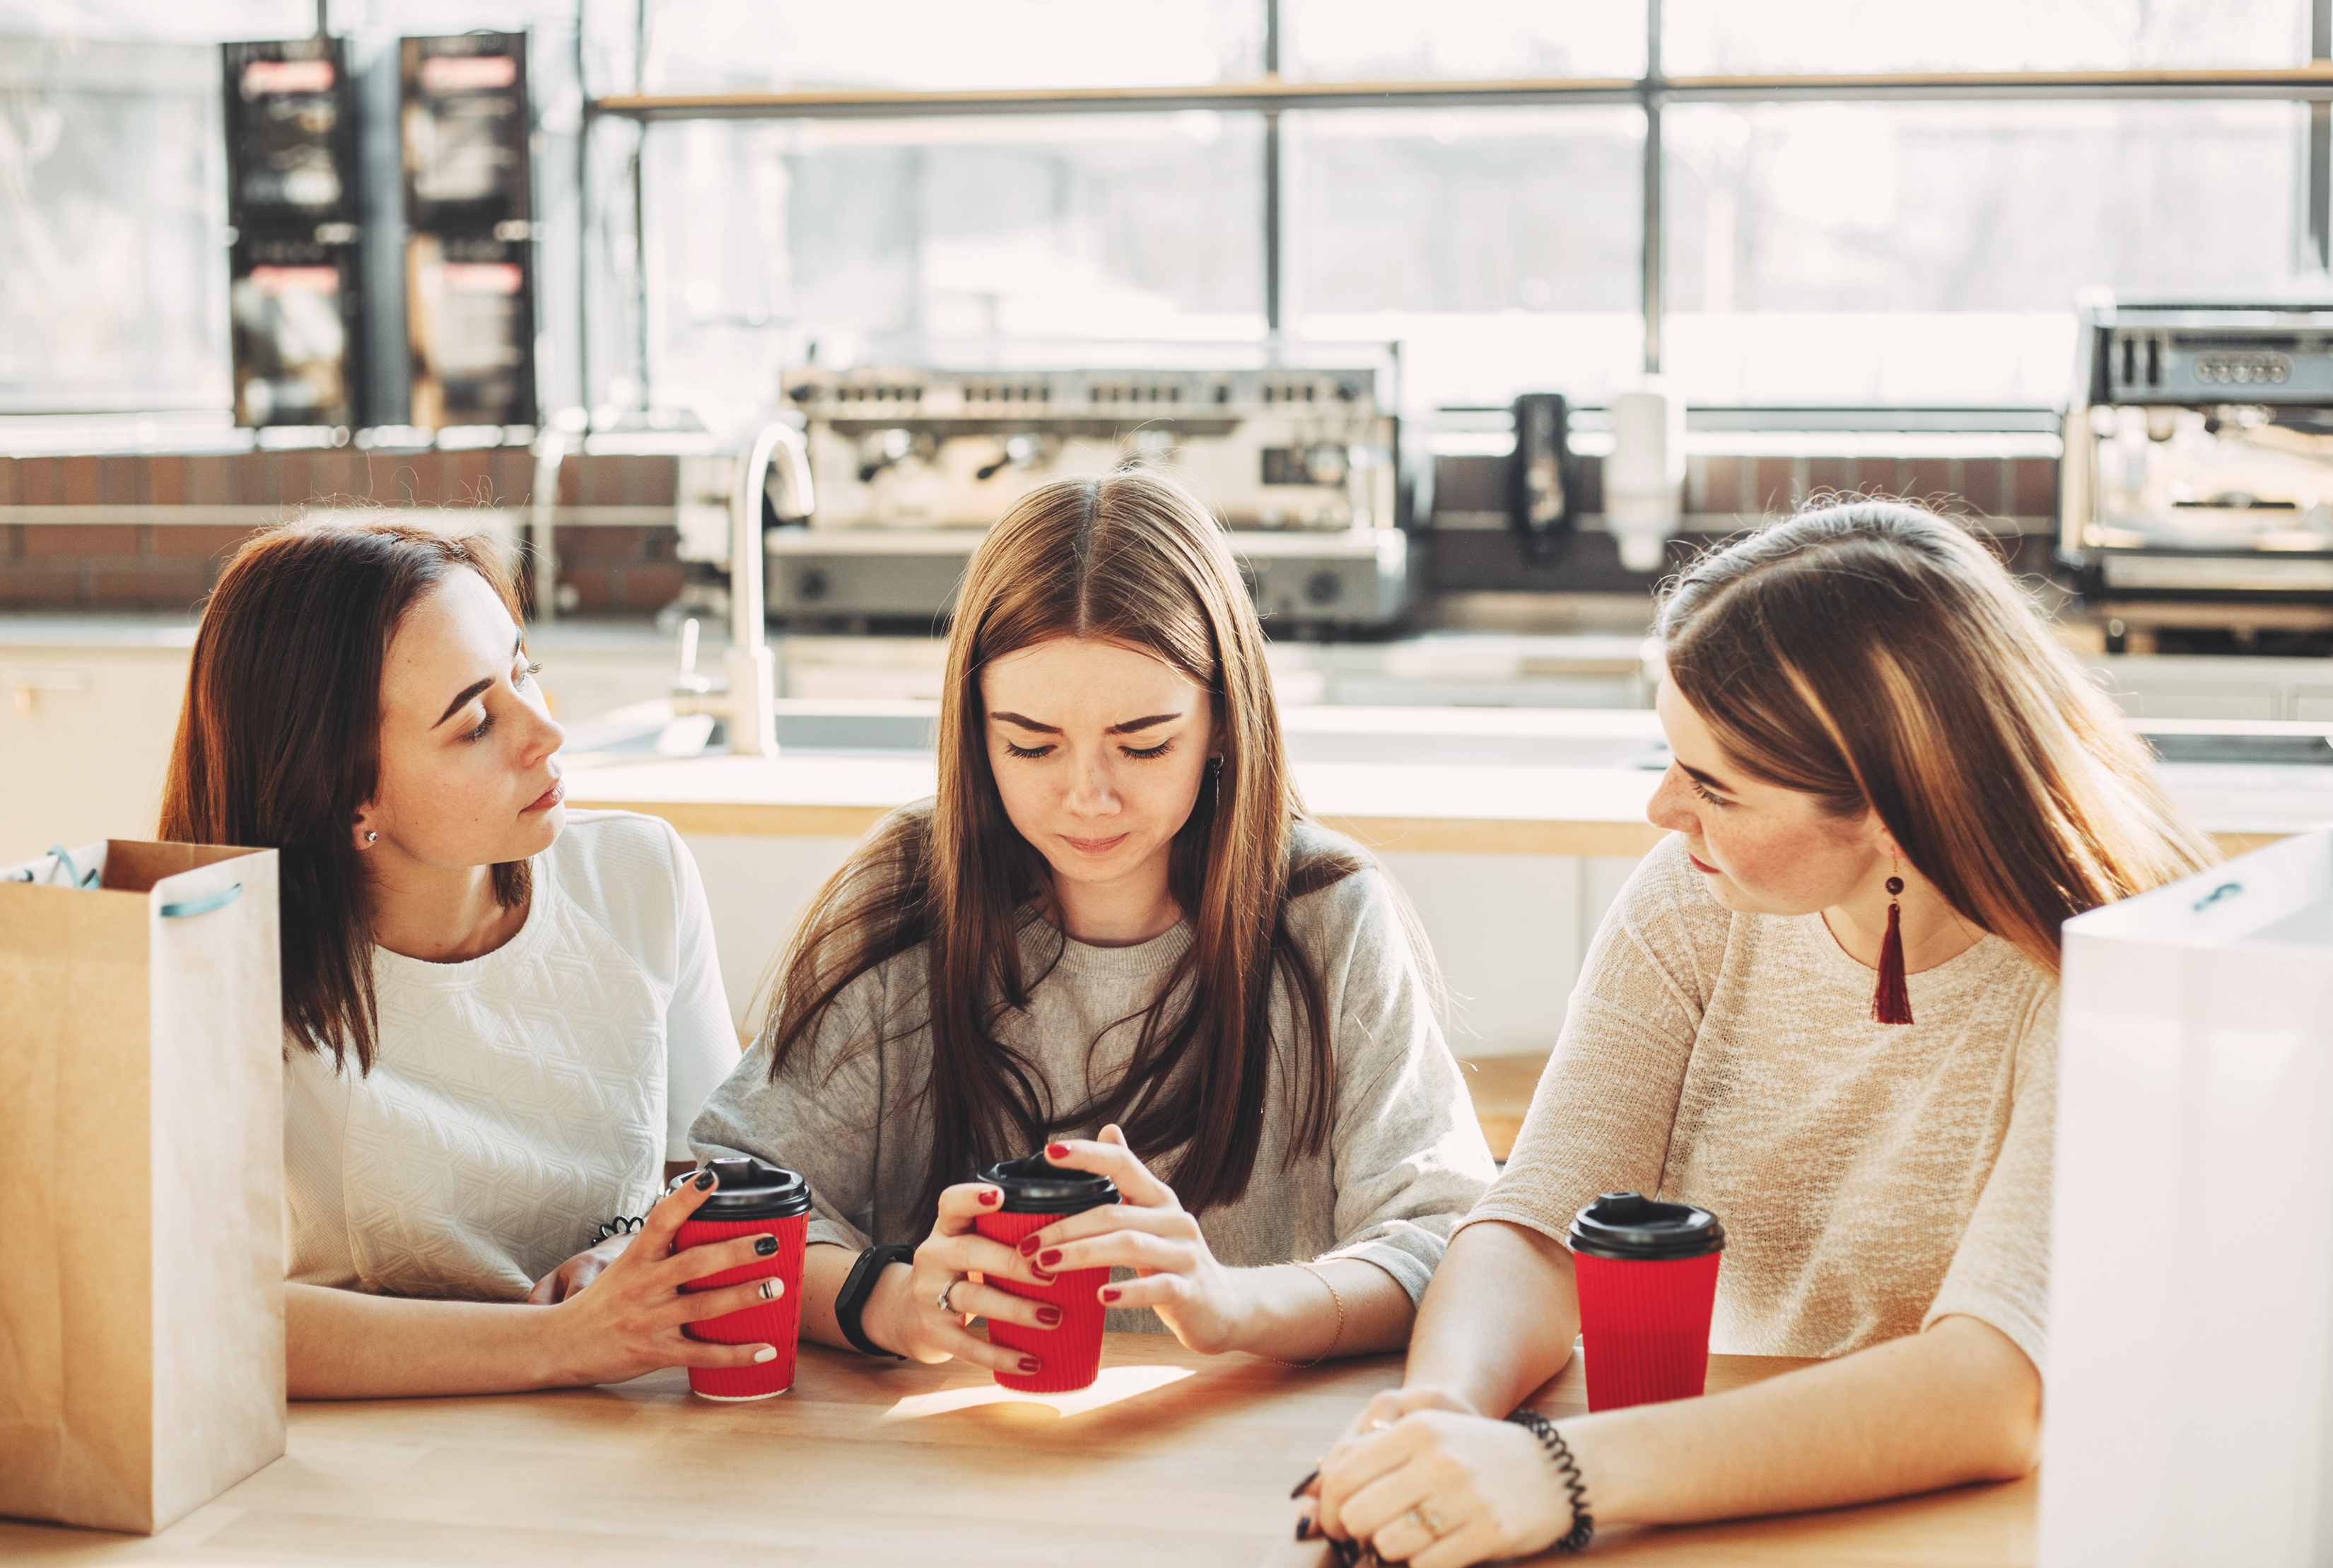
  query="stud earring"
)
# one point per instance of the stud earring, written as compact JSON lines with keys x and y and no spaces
{"x":372,"y":838}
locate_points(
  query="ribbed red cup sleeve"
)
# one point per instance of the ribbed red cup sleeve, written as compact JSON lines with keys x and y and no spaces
{"x":772,"y":1323}
{"x":1068,"y":1355}
{"x":1646,"y":1322}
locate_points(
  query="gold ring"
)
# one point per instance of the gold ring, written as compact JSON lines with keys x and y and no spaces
{"x":1425,"y":1519}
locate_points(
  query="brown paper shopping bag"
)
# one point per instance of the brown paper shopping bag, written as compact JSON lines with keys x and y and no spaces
{"x":141,"y":1161}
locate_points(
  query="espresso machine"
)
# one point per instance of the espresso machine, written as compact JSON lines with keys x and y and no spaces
{"x":2196,"y":496}
{"x":911,"y":465}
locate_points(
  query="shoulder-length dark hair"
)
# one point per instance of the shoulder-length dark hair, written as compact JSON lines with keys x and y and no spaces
{"x":1872,"y":653}
{"x":279,"y":742}
{"x":1132,"y":559}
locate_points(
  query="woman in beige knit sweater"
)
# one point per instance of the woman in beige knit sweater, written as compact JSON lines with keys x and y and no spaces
{"x":1857,"y":694}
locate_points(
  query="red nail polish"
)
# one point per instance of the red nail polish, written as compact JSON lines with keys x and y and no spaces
{"x":1029,"y":1244}
{"x":1057,"y":1152}
{"x":990,"y":1196}
{"x":1042,"y":1278}
{"x":1111,"y":1294}
{"x":1050,"y":1257}
{"x":1028,"y":1364}
{"x":1049,"y":1316}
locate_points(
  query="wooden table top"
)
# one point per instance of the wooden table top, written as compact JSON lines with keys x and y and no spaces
{"x":1171,"y":1458}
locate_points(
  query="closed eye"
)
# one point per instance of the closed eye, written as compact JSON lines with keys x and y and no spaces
{"x":1141,"y":754}
{"x":1703,"y":790}
{"x":1027,"y":750}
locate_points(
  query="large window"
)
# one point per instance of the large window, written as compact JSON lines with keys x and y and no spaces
{"x":1923,"y":252}
{"x":1817,"y":200}
{"x":1855,"y":201}
{"x":899,"y":242}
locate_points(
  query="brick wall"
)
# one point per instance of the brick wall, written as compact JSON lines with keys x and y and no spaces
{"x":1718,"y":486}
{"x":158,"y":529}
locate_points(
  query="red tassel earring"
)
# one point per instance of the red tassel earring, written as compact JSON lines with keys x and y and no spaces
{"x":1892,"y":1002}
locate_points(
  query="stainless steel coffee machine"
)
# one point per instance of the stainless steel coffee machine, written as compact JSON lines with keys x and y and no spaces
{"x":2196,"y":498}
{"x":912,"y":466}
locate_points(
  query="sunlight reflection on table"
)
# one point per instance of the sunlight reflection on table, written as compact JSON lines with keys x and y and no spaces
{"x":1113,"y":1384}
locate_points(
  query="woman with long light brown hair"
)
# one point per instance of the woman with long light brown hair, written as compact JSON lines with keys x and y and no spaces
{"x":1825,"y":1010}
{"x":1115,"y":938}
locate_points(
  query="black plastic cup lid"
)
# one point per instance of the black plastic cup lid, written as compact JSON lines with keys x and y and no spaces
{"x":1034,"y":1185}
{"x":1628,"y":1225}
{"x":750,"y":1189}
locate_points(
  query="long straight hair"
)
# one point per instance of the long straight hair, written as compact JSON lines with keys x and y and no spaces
{"x":1135,"y":560}
{"x":279,"y":742}
{"x":1874,"y":654}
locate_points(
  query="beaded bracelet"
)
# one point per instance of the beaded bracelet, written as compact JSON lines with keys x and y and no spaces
{"x":1566,"y":1470}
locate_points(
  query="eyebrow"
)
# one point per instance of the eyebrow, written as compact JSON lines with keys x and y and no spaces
{"x":1130,"y":726}
{"x":1709,"y":780}
{"x":463,"y":697}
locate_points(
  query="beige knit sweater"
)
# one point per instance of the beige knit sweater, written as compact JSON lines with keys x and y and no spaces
{"x":1871,"y":1177}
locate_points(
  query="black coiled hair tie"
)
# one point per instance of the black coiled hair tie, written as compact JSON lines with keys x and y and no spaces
{"x":622,"y":1225}
{"x":1566,"y":1470}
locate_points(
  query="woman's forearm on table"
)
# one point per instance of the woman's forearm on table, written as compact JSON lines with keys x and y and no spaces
{"x":344,"y":1345}
{"x":1498,"y":1320}
{"x":825,"y":1266}
{"x":1956,"y":1404}
{"x":1340,"y":1306}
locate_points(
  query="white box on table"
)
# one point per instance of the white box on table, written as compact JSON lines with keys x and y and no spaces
{"x":2190,"y":1384}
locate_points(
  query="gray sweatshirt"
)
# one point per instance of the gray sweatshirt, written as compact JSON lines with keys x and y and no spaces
{"x":1405,"y":1158}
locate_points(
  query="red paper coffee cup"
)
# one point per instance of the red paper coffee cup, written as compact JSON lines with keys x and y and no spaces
{"x":752,"y":1199}
{"x":1036,"y":1193}
{"x":1647,"y":1278}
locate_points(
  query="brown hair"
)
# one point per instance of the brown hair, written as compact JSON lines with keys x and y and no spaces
{"x":1132,"y":559}
{"x":279,"y":742}
{"x":1872,"y":653}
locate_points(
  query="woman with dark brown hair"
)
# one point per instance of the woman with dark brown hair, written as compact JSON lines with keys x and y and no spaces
{"x":1825,"y":1010}
{"x":1113,"y":936}
{"x":499,"y":1015}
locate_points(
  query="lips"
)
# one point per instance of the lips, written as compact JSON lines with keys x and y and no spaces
{"x":1700,"y":866}
{"x":1095,"y":846}
{"x":548,"y":798}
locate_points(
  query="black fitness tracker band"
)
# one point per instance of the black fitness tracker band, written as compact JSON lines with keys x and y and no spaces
{"x":851,"y":1300}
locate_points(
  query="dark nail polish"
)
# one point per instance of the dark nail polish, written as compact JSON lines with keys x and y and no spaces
{"x":703,"y":1180}
{"x":989,"y":1197}
{"x":766,"y":1245}
{"x":1028,"y":1364}
{"x":1111,"y":1294}
{"x":1311,"y":1476}
{"x":1303,"y":1526}
{"x":1049,"y":1316}
{"x":1057,"y":1152}
{"x":1029,"y":1244}
{"x":1050,"y":1257}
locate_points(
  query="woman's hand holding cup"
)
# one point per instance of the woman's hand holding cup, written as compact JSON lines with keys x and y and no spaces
{"x":904,"y":1315}
{"x":1206,"y":1305}
{"x":629,"y":1322}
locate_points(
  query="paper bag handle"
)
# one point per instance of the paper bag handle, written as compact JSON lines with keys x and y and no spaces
{"x":205,"y":905}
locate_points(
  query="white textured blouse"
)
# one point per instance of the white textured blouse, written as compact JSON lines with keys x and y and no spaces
{"x":516,"y":1100}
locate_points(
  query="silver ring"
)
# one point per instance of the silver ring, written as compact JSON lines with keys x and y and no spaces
{"x":947,"y":1290}
{"x":1425,"y":1519}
